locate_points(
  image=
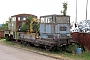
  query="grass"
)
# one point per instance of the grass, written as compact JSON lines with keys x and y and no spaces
{"x":62,"y":54}
{"x":19,"y":45}
{"x":83,"y":56}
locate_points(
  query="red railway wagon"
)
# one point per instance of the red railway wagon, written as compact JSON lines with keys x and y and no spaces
{"x":1,"y":34}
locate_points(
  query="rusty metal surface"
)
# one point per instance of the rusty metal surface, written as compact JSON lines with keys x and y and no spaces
{"x":82,"y":38}
{"x":1,"y":34}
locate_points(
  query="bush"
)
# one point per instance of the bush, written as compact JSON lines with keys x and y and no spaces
{"x":72,"y":48}
{"x":7,"y":38}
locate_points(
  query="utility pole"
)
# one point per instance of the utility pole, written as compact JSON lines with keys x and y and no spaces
{"x":76,"y":12}
{"x":86,"y":8}
{"x":76,"y":15}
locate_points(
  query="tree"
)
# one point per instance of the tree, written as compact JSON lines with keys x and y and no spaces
{"x":9,"y":19}
{"x":5,"y":26}
{"x":24,"y":27}
{"x":35,"y":26}
{"x":64,"y":8}
{"x":28,"y":21}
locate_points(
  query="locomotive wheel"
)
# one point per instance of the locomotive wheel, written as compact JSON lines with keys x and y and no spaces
{"x":28,"y":44}
{"x":36,"y":44}
{"x":48,"y":48}
{"x":22,"y":42}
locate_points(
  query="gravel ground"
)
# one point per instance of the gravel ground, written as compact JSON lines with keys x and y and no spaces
{"x":26,"y":54}
{"x":11,"y":53}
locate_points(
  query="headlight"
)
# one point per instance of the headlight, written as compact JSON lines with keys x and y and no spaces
{"x":37,"y":37}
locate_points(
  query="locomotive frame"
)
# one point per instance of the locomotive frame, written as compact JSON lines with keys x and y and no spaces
{"x":54,"y":30}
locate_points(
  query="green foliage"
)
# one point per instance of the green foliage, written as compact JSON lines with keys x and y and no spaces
{"x":64,"y":8}
{"x":29,"y":20}
{"x":7,"y":38}
{"x":72,"y":48}
{"x":83,"y":56}
{"x":4,"y":27}
{"x":24,"y":27}
{"x":1,"y":28}
{"x":1,"y":38}
{"x":9,"y":19}
{"x":35,"y":26}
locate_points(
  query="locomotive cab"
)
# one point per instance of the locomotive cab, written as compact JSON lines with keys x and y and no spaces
{"x":55,"y":27}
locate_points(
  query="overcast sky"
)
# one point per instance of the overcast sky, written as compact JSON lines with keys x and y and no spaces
{"x":42,"y":7}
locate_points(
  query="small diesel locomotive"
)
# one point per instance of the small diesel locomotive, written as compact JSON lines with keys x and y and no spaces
{"x":53,"y":30}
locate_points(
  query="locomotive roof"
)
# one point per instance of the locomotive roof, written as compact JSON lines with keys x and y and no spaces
{"x":55,"y":15}
{"x":24,"y":15}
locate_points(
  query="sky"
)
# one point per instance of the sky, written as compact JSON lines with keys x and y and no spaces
{"x":39,"y":8}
